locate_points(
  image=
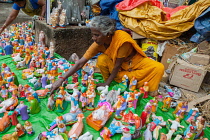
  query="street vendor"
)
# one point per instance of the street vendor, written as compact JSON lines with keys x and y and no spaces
{"x":121,"y":55}
{"x":29,"y":7}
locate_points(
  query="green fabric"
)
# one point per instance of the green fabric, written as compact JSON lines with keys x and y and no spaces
{"x":41,"y":120}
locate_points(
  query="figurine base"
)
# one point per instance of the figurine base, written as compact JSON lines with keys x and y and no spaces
{"x":21,"y":68}
{"x":31,"y":134}
{"x":37,"y":75}
{"x":70,"y":123}
{"x":118,"y":117}
{"x":2,"y":114}
{"x":21,"y":98}
{"x":164,"y":109}
{"x":62,"y":26}
{"x":181,"y":118}
{"x":51,"y":109}
{"x":90,"y":108}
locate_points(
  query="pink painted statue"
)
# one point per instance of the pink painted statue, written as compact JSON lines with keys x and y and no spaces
{"x":77,"y":128}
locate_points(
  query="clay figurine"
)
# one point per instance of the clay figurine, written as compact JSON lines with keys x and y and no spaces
{"x":22,"y":109}
{"x":145,"y":114}
{"x":119,"y":106}
{"x":173,"y":128}
{"x":166,"y":104}
{"x":83,"y":100}
{"x":13,"y":116}
{"x":8,"y":49}
{"x":133,"y":84}
{"x":28,"y":128}
{"x":192,"y":115}
{"x":67,"y":119}
{"x":156,"y":132}
{"x":5,"y":123}
{"x":62,"y":128}
{"x":63,"y":20}
{"x":126,"y":134}
{"x":200,"y":123}
{"x":180,"y":110}
{"x":51,"y":103}
{"x":20,"y":130}
{"x":146,"y":89}
{"x":77,"y":128}
{"x":13,"y":136}
{"x":90,"y":98}
{"x":188,"y":130}
{"x":98,"y":117}
{"x":34,"y":105}
{"x":148,"y":133}
{"x":157,"y":121}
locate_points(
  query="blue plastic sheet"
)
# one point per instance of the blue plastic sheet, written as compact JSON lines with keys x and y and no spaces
{"x":202,"y":25}
{"x":108,"y":9}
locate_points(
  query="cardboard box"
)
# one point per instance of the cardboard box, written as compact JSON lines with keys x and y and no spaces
{"x":170,"y":51}
{"x":187,"y":76}
{"x":200,"y":59}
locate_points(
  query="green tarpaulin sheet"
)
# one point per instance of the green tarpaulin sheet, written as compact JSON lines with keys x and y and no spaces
{"x":41,"y":120}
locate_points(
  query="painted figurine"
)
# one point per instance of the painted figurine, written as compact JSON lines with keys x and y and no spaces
{"x":20,"y":130}
{"x":13,"y":136}
{"x":145,"y":114}
{"x":119,"y":106}
{"x":126,"y":134}
{"x":180,"y":110}
{"x":174,"y":127}
{"x":133,"y":84}
{"x":22,"y":109}
{"x":63,"y":19}
{"x":200,"y":123}
{"x":157,"y":121}
{"x":34,"y":105}
{"x":166,"y":103}
{"x":51,"y":102}
{"x":28,"y":128}
{"x":148,"y":133}
{"x":125,"y":80}
{"x":4,"y":92}
{"x":188,"y":130}
{"x":146,"y":89}
{"x":192,"y":115}
{"x":90,"y":97}
{"x":13,"y":116}
{"x":77,"y":128}
{"x":83,"y":100}
{"x":4,"y":123}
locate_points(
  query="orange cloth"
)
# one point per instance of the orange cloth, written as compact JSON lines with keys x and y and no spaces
{"x":147,"y":70}
{"x":143,"y":68}
{"x":124,"y":51}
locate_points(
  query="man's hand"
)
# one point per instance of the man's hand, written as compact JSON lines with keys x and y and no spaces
{"x":2,"y":29}
{"x":41,"y":18}
{"x":101,"y":84}
{"x":56,"y":85}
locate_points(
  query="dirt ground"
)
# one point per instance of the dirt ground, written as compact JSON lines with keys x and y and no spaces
{"x":5,"y":9}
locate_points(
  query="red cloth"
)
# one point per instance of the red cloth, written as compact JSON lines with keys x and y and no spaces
{"x":127,"y":5}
